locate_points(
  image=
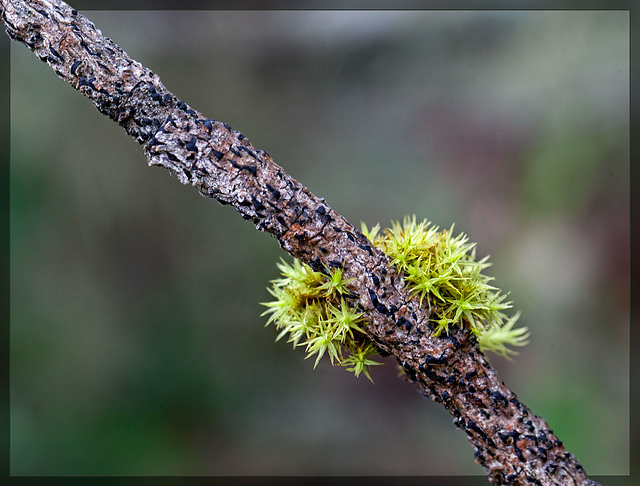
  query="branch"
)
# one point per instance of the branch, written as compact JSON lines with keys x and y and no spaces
{"x":514,"y":445}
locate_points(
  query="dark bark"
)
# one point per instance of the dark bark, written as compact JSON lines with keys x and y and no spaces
{"x":514,"y":445}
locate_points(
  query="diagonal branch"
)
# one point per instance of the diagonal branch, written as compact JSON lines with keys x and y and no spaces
{"x":514,"y":445}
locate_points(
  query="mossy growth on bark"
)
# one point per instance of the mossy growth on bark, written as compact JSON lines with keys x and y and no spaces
{"x":317,"y":310}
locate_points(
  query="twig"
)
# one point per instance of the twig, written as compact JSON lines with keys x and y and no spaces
{"x":514,"y":445}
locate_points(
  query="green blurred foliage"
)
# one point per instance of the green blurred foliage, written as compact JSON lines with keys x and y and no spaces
{"x":137,"y":345}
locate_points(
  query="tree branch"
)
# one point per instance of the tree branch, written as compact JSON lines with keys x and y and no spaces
{"x":514,"y":445}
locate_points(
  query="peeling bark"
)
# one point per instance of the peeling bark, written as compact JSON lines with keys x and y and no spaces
{"x":514,"y":445}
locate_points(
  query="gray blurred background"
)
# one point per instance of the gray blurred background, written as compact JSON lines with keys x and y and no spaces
{"x":137,"y":345}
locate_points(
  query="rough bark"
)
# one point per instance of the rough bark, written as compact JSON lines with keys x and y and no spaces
{"x":514,"y":445}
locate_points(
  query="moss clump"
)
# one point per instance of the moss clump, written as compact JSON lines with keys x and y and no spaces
{"x":313,"y":308}
{"x":443,"y":270}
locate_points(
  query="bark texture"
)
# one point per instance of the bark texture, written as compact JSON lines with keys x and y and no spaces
{"x":514,"y":445}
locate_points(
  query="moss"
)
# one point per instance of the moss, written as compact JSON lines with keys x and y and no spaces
{"x":313,"y":308}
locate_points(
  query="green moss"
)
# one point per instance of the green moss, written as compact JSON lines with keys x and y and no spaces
{"x":313,"y":308}
{"x":310,"y":307}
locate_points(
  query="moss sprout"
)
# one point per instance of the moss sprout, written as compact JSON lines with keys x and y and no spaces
{"x":310,"y":307}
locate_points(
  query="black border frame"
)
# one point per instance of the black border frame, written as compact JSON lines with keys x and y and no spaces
{"x":632,"y":479}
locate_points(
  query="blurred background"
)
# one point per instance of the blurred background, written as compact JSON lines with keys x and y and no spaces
{"x":137,"y":346}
